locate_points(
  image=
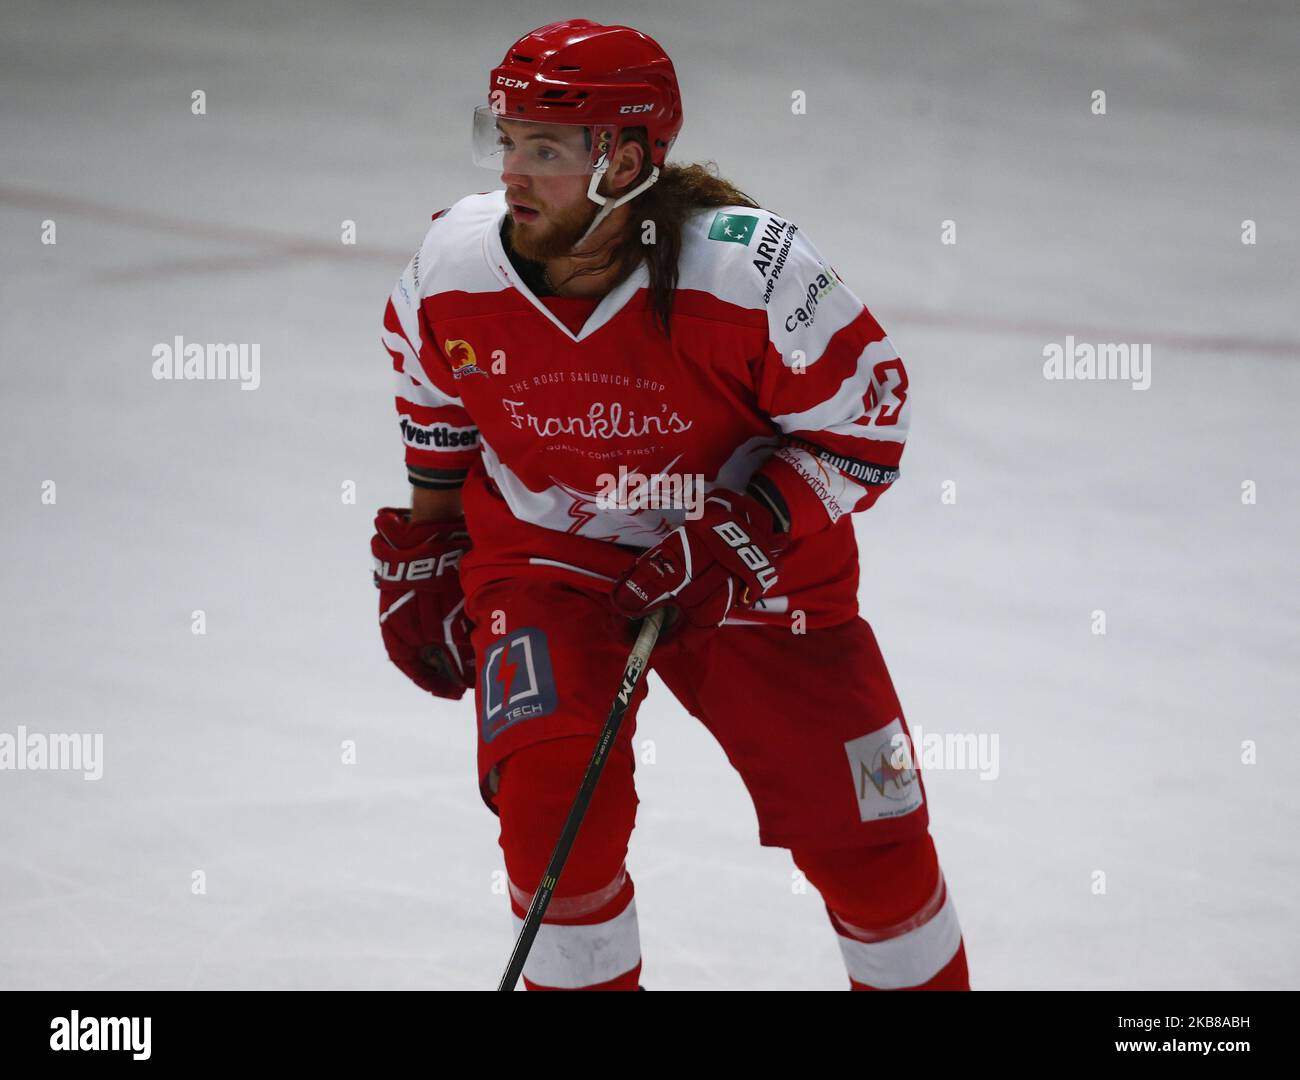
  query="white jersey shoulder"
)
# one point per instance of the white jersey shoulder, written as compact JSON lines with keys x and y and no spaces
{"x":452,"y":254}
{"x":451,"y":257}
{"x":760,"y":260}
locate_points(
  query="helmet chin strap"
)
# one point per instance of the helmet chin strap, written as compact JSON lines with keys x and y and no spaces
{"x":607,"y":204}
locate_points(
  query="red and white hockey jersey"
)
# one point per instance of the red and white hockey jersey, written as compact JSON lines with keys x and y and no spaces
{"x":775,"y":372}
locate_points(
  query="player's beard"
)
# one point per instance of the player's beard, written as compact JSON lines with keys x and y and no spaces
{"x":539,"y":241}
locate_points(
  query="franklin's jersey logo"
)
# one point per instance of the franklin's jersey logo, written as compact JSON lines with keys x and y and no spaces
{"x":460,"y":354}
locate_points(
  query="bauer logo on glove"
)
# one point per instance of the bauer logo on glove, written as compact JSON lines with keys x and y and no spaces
{"x":727,"y":557}
{"x":421,"y":605}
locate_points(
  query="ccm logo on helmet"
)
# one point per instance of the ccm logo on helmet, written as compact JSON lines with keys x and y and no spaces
{"x":514,"y":84}
{"x":750,"y":554}
{"x":635,"y":108}
{"x":416,"y":569}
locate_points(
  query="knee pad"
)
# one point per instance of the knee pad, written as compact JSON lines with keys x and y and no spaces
{"x":537,"y":787}
{"x":876,"y":886}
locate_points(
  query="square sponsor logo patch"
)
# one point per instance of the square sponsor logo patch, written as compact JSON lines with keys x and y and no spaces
{"x":517,"y":682}
{"x":883,"y":779}
{"x":736,"y":228}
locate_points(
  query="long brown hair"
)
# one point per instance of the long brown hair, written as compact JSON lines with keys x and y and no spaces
{"x":679,"y":191}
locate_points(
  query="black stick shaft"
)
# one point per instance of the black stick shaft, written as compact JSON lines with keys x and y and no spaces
{"x":636,"y":665}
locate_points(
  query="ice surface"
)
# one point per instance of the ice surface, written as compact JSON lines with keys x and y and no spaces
{"x":1119,"y":753}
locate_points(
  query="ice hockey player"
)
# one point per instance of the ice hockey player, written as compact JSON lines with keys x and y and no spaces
{"x":609,"y":315}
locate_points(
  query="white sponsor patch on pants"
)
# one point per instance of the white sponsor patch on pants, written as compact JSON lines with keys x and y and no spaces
{"x":885,"y":782}
{"x":907,"y":958}
{"x":569,"y":957}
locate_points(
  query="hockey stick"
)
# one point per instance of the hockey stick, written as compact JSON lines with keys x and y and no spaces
{"x":636,"y":665}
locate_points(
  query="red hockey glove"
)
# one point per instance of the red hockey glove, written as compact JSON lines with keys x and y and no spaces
{"x":421,"y":606}
{"x":727,"y":557}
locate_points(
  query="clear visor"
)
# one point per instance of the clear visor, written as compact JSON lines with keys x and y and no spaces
{"x":535,"y":148}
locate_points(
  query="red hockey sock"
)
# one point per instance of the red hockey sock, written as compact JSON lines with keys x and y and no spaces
{"x":890,"y":908}
{"x":588,"y":939}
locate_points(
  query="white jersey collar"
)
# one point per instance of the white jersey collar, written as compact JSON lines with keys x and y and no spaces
{"x":610,"y":304}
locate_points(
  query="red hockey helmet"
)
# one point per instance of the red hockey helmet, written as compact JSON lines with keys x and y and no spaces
{"x":578,"y":72}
